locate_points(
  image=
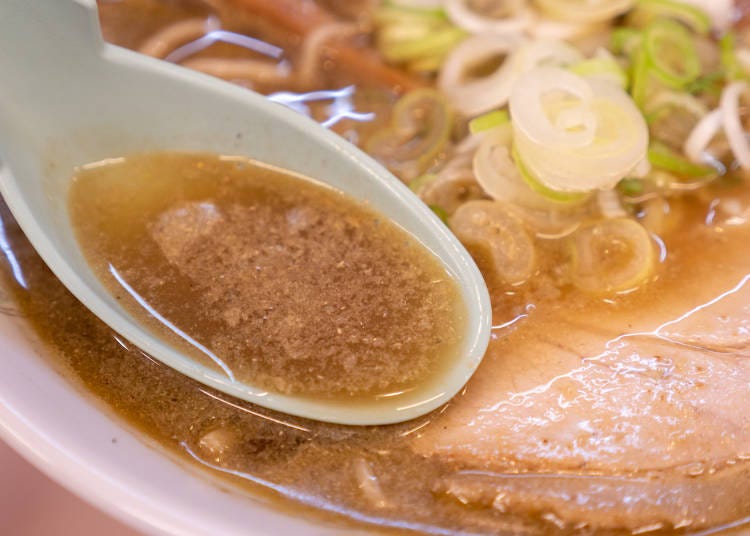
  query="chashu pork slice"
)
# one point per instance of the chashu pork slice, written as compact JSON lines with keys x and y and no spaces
{"x":632,"y":419}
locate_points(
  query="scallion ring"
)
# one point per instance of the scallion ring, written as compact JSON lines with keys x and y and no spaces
{"x":648,"y":11}
{"x":612,"y":255}
{"x":513,"y":17}
{"x":585,"y":11}
{"x":671,"y":53}
{"x":420,"y":129}
{"x":662,"y":157}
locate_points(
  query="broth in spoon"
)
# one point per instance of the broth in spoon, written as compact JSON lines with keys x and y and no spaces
{"x":279,"y":281}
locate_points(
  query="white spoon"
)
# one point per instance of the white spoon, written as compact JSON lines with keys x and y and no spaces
{"x":67,"y":99}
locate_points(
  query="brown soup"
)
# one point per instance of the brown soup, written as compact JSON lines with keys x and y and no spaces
{"x":288,"y":284}
{"x":613,"y":413}
{"x":561,"y":404}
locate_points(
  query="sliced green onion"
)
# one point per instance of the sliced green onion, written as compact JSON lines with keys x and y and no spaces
{"x":576,"y":134}
{"x":433,"y":44}
{"x":666,"y":54}
{"x":416,"y":37}
{"x":489,"y":120}
{"x":640,"y":77}
{"x":451,"y":189}
{"x":497,"y":238}
{"x":612,"y":255}
{"x":584,"y":11}
{"x":394,"y":34}
{"x":391,"y":13}
{"x":649,"y":10}
{"x":416,"y":4}
{"x":603,"y":66}
{"x":625,"y":40}
{"x":667,"y":101}
{"x":492,"y":82}
{"x":630,"y":187}
{"x":541,"y":189}
{"x":711,"y":84}
{"x":733,"y":70}
{"x":671,"y":54}
{"x":440,"y":213}
{"x":420,"y":128}
{"x":420,"y":182}
{"x":428,"y":64}
{"x":498,"y":17}
{"x":663,"y":157}
{"x":498,"y":175}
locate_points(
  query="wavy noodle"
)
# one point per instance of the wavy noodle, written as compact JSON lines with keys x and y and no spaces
{"x":291,"y":19}
{"x":313,"y":49}
{"x":175,"y":43}
{"x":725,"y":119}
{"x":698,"y":140}
{"x":733,"y":128}
{"x":182,"y":34}
{"x":176,"y":35}
{"x":255,"y":71}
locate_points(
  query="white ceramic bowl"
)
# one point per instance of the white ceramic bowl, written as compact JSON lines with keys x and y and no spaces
{"x":71,"y":437}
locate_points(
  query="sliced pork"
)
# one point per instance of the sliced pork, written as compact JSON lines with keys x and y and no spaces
{"x":611,"y":417}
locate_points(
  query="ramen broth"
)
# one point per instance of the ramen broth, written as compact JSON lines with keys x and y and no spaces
{"x":411,"y":484}
{"x":601,"y":412}
{"x":290,"y":285}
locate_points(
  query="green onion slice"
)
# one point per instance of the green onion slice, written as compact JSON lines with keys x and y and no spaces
{"x":431,"y":44}
{"x":631,"y":187}
{"x":667,"y":102}
{"x":693,"y":17}
{"x":420,"y":128}
{"x":613,"y":255}
{"x":663,"y":157}
{"x":420,"y":182}
{"x":640,"y":76}
{"x":419,"y":38}
{"x":730,"y":64}
{"x":538,"y":187}
{"x":488,"y":121}
{"x":603,"y":65}
{"x":391,"y":13}
{"x":625,"y":40}
{"x":440,"y":213}
{"x":671,"y":54}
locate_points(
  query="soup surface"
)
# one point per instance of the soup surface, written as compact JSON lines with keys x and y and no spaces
{"x":634,"y":405}
{"x":286,"y":283}
{"x":613,"y":395}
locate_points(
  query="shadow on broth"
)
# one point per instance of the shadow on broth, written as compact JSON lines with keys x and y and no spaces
{"x":599,"y":182}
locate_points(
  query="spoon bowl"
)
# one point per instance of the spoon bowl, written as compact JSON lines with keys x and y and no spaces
{"x":68,"y":99}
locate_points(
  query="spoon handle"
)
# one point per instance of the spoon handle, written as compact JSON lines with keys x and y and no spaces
{"x":58,"y":27}
{"x":48,"y":46}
